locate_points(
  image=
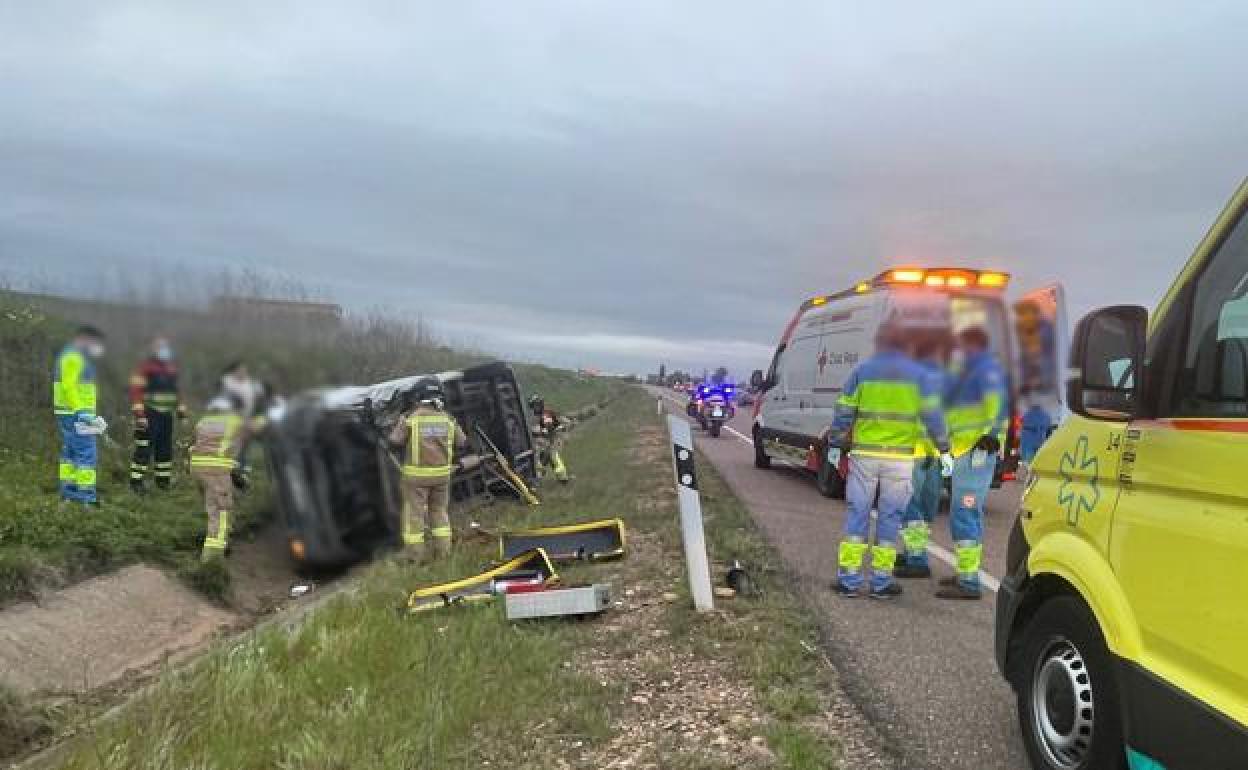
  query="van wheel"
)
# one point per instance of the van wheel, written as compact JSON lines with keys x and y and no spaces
{"x":828,"y":481}
{"x":761,"y":459}
{"x":1068,"y":705}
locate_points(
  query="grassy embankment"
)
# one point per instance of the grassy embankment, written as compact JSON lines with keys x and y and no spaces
{"x":360,"y":685}
{"x":45,"y":544}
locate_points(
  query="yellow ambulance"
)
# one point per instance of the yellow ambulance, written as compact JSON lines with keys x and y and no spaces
{"x":1123,"y":622}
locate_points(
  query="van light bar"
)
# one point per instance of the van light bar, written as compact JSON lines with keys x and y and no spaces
{"x":863,"y":288}
{"x":817,"y":301}
{"x":906,"y":276}
{"x":956,"y":278}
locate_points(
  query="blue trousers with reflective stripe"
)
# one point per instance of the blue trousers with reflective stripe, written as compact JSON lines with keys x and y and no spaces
{"x":78,"y":452}
{"x":928,"y":484}
{"x":971,"y":483}
{"x":867,"y":476}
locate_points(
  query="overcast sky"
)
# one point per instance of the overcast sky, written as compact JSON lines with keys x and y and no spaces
{"x":615,"y":184}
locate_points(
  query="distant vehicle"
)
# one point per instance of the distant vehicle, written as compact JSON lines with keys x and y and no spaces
{"x":1121,"y":620}
{"x":831,"y":334}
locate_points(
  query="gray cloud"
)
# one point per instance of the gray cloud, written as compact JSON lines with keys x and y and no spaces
{"x":609,"y":184}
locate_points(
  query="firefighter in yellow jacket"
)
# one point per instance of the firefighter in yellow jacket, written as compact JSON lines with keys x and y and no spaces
{"x":430,"y":437}
{"x":219,"y":435}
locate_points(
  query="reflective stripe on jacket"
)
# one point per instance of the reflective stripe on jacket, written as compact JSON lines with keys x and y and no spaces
{"x":218,"y":438}
{"x":431,"y":436}
{"x":73,"y":384}
{"x":887,"y":403}
{"x":936,"y":371}
{"x":976,"y":403}
{"x":154,"y":385}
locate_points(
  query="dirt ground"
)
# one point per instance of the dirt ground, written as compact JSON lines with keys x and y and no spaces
{"x":127,"y":624}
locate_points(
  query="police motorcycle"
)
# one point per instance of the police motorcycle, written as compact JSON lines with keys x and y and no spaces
{"x":717,"y":408}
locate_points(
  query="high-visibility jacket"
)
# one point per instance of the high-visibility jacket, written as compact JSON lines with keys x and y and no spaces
{"x":73,"y":384}
{"x":431,"y":437}
{"x":218,"y":438}
{"x":154,"y":387}
{"x":936,"y":372}
{"x":976,"y":403}
{"x":887,"y":403}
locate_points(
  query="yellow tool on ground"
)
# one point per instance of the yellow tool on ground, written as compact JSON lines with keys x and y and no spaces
{"x":507,"y":474}
{"x":531,"y":568}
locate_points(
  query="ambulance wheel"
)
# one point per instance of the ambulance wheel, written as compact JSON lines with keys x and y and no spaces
{"x":761,"y":459}
{"x":1068,"y":704}
{"x":829,"y":482}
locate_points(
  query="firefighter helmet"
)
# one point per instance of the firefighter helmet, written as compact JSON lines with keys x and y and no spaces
{"x":428,"y":390}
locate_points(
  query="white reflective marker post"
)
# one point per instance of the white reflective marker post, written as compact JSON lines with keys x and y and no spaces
{"x":690,"y":513}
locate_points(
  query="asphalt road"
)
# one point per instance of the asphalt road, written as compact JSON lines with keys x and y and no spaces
{"x":920,"y":668}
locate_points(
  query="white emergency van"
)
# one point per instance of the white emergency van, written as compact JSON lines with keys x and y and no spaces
{"x":831,"y":334}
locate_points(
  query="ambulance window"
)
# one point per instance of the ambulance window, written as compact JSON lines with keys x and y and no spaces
{"x":800,"y":363}
{"x":1214,"y":378}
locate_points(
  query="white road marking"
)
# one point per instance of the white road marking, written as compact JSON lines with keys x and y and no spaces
{"x":988,"y":581}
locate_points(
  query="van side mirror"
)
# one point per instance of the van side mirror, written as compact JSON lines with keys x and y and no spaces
{"x":756,"y":379}
{"x":1106,"y":360}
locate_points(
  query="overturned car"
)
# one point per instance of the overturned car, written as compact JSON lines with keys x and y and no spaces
{"x":337,"y":481}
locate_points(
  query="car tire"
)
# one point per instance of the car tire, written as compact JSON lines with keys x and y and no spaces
{"x":828,"y":480}
{"x":762,"y":460}
{"x":1068,"y":705}
{"x":714,"y":430}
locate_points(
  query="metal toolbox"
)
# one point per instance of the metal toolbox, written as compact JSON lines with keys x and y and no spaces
{"x":554,"y":602}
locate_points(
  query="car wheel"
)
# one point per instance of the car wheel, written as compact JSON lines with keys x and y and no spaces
{"x":828,"y":480}
{"x":1068,"y":705}
{"x":714,"y":430}
{"x":761,"y":458}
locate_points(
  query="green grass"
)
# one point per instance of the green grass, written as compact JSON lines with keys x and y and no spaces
{"x":360,"y":685}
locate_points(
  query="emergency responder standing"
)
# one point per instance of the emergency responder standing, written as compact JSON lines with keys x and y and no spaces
{"x":219,"y":435}
{"x":154,"y":400}
{"x":238,"y":384}
{"x":549,"y":434}
{"x":932,"y":354}
{"x":976,"y":412}
{"x":887,"y":403}
{"x":74,"y":401}
{"x":430,"y":437}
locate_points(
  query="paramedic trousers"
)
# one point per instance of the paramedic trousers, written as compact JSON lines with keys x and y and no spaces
{"x":916,"y":527}
{"x":425,"y":506}
{"x":218,"y":493}
{"x":972,"y":478}
{"x":892,"y":479}
{"x":155,"y":442}
{"x":76,"y":470}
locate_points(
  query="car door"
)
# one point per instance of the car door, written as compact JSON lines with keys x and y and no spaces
{"x":1179,"y":543}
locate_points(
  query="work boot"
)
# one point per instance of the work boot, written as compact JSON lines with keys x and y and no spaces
{"x":138,"y":488}
{"x":912,"y":571}
{"x":162,"y":484}
{"x":890,"y":591}
{"x":959,"y":591}
{"x":844,"y":590}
